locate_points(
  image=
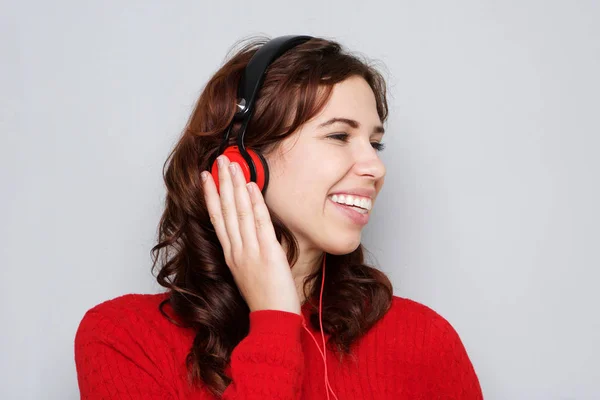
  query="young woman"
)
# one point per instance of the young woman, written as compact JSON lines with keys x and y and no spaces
{"x":256,"y":274}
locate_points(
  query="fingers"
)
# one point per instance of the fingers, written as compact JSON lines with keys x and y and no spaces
{"x":243,"y":205}
{"x":228,"y":209}
{"x":264,"y":230}
{"x":238,"y":213}
{"x":213,"y":206}
{"x":217,"y":213}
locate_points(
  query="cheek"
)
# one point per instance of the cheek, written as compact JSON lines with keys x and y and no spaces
{"x":302,"y":180}
{"x":301,"y":184}
{"x":297,"y":198}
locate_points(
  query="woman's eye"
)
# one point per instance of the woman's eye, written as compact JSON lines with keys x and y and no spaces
{"x":378,"y":146}
{"x":344,"y":138}
{"x":340,"y":136}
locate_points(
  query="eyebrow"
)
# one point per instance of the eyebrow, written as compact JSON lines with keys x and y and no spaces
{"x":353,"y":123}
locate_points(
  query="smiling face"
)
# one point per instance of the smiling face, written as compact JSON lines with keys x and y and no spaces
{"x":325,"y":163}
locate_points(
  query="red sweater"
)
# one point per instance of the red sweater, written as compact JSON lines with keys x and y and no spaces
{"x":126,"y":349}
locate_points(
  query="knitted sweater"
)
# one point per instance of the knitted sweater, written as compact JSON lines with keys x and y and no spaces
{"x":126,"y":349}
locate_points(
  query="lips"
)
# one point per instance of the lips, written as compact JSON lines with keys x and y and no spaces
{"x":352,"y":215}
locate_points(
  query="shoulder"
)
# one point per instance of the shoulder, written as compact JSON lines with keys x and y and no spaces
{"x":125,"y":345}
{"x":407,"y":309}
{"x":125,"y":309}
{"x":132,"y":316}
{"x":417,"y":334}
{"x":404,"y":310}
{"x":410,"y":321}
{"x":128,"y":303}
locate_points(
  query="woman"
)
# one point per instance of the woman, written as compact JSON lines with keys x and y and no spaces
{"x":254,"y":271}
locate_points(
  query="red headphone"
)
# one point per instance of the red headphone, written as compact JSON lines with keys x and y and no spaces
{"x":256,"y":171}
{"x":252,"y":163}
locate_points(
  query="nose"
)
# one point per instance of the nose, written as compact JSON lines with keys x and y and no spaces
{"x":368,"y":163}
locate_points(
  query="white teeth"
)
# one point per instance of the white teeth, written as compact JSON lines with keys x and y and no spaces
{"x":350,"y":200}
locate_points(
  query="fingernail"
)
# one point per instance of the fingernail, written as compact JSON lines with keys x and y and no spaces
{"x":204,"y":176}
{"x":249,"y":186}
{"x":220,"y":161}
{"x":232,"y":168}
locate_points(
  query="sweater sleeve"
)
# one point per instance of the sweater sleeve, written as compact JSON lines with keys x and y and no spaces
{"x":269,"y":362}
{"x":113,"y":364}
{"x":452,"y":374}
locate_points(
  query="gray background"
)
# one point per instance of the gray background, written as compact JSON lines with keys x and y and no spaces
{"x":489,"y":214}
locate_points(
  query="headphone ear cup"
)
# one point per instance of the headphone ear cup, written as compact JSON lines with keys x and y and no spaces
{"x":234,"y":155}
{"x":262,"y":173}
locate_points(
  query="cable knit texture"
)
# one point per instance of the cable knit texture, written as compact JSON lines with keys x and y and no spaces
{"x":126,"y":349}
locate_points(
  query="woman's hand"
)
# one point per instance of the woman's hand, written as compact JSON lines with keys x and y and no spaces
{"x":243,"y":225}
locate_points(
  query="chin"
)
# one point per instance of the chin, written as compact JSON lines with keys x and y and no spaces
{"x":342,"y":245}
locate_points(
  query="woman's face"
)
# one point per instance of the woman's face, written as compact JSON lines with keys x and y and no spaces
{"x":320,"y":160}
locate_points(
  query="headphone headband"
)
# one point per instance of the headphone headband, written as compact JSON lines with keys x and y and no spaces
{"x":248,"y":88}
{"x":254,"y":73}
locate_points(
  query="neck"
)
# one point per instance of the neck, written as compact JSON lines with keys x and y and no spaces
{"x":309,"y":261}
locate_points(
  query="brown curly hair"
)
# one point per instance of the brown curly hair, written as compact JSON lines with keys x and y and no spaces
{"x":202,"y":291}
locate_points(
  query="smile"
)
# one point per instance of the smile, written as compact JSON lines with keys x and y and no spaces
{"x":358,"y":215}
{"x":360,"y":203}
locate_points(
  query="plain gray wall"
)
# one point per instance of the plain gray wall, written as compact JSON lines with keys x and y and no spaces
{"x":489,"y":213}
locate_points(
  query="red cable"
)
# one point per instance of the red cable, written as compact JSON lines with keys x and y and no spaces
{"x":324,"y":352}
